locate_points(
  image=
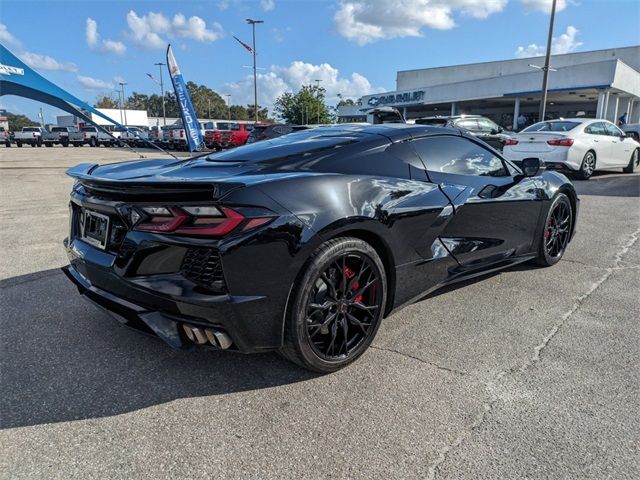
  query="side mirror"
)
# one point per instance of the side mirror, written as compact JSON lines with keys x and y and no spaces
{"x":530,"y":166}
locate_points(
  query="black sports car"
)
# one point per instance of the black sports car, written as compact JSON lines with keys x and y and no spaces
{"x":303,"y":243}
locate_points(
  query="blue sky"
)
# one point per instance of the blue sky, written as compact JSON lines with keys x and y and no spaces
{"x":355,"y":46}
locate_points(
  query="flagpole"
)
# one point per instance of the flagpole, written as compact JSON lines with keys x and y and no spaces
{"x":545,"y":69}
{"x":255,"y":77}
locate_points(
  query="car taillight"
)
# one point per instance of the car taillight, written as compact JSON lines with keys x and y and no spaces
{"x":199,"y":220}
{"x":561,"y":142}
{"x":511,"y":141}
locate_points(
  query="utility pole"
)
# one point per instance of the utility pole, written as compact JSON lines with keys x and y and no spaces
{"x":318,"y":97}
{"x":255,"y":77}
{"x":122,"y":84}
{"x":164,"y":112}
{"x":209,"y":109}
{"x":545,"y":69}
{"x":228,"y":105}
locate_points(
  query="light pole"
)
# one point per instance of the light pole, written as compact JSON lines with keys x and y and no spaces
{"x":209,"y":107}
{"x":545,"y":69}
{"x":255,"y":77}
{"x":164,"y":112}
{"x":318,"y":97}
{"x":122,"y":84}
{"x":119,"y":104}
{"x":228,"y":105}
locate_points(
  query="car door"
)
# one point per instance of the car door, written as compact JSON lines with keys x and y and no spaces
{"x":496,"y":208}
{"x":621,"y":146}
{"x":599,"y":141}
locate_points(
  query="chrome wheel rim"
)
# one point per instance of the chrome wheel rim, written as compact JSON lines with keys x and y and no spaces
{"x":343,"y":307}
{"x":556,"y":235}
{"x":589,"y":164}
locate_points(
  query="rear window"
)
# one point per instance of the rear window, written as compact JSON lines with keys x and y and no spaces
{"x":30,"y":129}
{"x":436,"y":122}
{"x":88,"y":129}
{"x":558,"y":126}
{"x":226,"y":126}
{"x":287,"y":147}
{"x":59,"y":129}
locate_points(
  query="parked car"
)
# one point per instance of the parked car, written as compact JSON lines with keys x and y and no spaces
{"x":214,"y":132}
{"x":29,"y":136}
{"x":94,"y":137}
{"x":379,"y":115}
{"x":5,"y":137}
{"x":135,"y":136}
{"x":634,"y":129}
{"x":268,"y":131}
{"x":64,"y":136}
{"x":483,"y":128}
{"x":239,"y":134}
{"x":304,"y":243}
{"x":578,"y":145}
{"x":177,"y":138}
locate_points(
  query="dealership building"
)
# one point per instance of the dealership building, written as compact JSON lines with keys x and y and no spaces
{"x":596,"y":84}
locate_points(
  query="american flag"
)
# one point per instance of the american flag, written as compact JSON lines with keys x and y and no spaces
{"x":249,"y":49}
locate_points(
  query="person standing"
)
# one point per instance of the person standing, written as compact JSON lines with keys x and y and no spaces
{"x":521,"y":121}
{"x":622,"y":120}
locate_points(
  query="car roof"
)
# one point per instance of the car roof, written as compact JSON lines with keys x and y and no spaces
{"x":449,"y":117}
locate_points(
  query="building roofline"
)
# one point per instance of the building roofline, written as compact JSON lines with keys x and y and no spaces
{"x":514,"y":59}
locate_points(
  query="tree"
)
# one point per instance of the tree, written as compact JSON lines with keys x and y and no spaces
{"x":263,"y":113}
{"x":16,"y":122}
{"x":206,"y":102}
{"x":345,"y":103}
{"x":106,"y":102}
{"x":306,"y":106}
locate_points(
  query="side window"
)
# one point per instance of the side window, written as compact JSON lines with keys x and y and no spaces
{"x":468,"y":124}
{"x":596,"y":128}
{"x":613,"y":130}
{"x":487,"y":126}
{"x":448,"y":155}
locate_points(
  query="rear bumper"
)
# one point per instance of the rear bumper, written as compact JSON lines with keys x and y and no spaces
{"x":163,"y":304}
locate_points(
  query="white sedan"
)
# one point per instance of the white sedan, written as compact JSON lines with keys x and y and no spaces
{"x":580,"y":145}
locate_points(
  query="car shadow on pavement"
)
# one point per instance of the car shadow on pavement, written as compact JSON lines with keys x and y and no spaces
{"x":63,"y":360}
{"x":609,"y":184}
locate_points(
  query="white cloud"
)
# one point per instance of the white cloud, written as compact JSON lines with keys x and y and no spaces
{"x":268,"y":5}
{"x":151,"y":31}
{"x":91,"y":83}
{"x":119,"y":79}
{"x":365,"y":21}
{"x":281,"y":79}
{"x":543,"y":6}
{"x":7,"y":38}
{"x":565,"y":43}
{"x":45,"y":62}
{"x":107,"y":46}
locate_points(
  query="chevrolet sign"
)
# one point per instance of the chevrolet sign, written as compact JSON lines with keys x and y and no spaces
{"x":396,"y":98}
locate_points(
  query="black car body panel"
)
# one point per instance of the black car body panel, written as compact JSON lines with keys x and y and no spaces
{"x":302,"y":189}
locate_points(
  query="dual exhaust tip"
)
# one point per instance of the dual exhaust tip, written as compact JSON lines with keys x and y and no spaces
{"x":201,"y":336}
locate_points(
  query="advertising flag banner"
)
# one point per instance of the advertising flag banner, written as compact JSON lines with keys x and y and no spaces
{"x":188,"y":114}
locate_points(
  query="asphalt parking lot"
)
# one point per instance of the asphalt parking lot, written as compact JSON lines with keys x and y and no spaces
{"x":529,"y":373}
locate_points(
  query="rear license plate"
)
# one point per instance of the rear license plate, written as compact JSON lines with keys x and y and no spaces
{"x":94,"y":227}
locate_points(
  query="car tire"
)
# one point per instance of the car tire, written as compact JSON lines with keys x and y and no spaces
{"x":48,"y":144}
{"x":634,"y":162}
{"x":19,"y":144}
{"x":7,"y":144}
{"x":332,"y":318}
{"x":556,"y":232}
{"x":92,"y":142}
{"x":588,"y":166}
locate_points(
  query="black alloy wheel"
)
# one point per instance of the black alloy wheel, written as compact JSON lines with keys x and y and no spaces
{"x":557,"y":231}
{"x":336,"y":309}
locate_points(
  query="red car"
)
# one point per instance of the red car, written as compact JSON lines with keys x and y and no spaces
{"x":239,"y":134}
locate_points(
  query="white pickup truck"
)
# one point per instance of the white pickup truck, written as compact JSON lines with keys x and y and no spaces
{"x":135,"y":136}
{"x":64,"y":136}
{"x":29,"y":136}
{"x":95,"y":137}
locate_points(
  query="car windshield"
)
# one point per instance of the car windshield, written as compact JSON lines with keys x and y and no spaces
{"x":285,"y":147}
{"x":557,"y":126}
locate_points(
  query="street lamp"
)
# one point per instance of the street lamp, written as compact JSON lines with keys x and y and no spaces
{"x":122,"y":84}
{"x":545,"y":69}
{"x":255,"y":77}
{"x":318,"y":97}
{"x":228,"y":104}
{"x":164,"y":112}
{"x":119,"y":103}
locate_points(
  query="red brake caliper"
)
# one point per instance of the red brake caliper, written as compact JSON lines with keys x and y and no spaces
{"x":349,"y":274}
